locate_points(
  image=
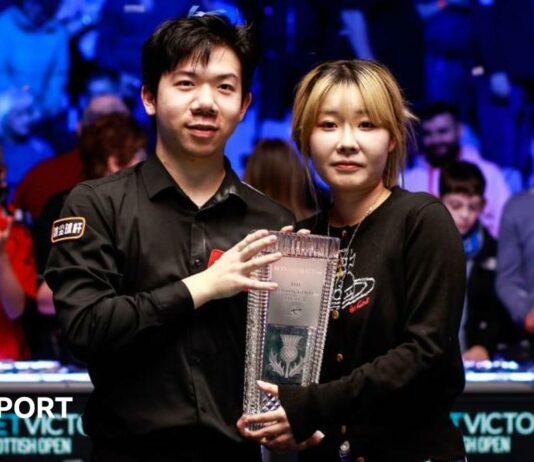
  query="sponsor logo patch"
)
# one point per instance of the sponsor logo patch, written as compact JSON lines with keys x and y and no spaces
{"x":69,"y":228}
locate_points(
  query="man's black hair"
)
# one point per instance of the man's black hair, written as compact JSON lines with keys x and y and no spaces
{"x":195,"y":37}
{"x":430,"y":110}
{"x":460,"y":177}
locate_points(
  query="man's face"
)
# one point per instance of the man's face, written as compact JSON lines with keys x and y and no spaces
{"x":198,"y":107}
{"x":441,"y":139}
{"x":464,"y":209}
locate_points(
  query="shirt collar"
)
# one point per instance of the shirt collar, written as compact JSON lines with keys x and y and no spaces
{"x":157,"y":179}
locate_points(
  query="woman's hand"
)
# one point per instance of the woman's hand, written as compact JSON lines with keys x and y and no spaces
{"x":276,"y":433}
{"x":289,"y":229}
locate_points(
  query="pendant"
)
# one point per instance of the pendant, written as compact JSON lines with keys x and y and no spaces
{"x":340,"y":271}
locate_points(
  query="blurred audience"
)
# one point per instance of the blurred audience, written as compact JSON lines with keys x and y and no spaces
{"x":440,"y":139}
{"x":64,"y":64}
{"x":515,"y":271}
{"x":504,"y":78}
{"x":66,"y":170}
{"x":17,"y":278}
{"x":35,"y":53}
{"x":486,"y":329}
{"x":124,"y":26}
{"x":22,"y":149}
{"x":275,"y":169}
{"x":448,"y":56}
{"x":110,"y":143}
{"x":389,"y":31}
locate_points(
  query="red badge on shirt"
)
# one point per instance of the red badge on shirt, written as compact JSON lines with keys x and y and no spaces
{"x":214,"y":256}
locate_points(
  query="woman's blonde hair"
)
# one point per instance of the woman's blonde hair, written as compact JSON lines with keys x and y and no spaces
{"x":382,"y":98}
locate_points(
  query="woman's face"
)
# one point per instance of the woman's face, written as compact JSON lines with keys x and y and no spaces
{"x":348,"y":151}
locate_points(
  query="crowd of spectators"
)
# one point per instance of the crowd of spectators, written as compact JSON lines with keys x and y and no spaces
{"x":70,"y":110}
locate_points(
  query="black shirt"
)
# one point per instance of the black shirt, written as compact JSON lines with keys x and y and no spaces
{"x":392,"y":367}
{"x":155,"y":362}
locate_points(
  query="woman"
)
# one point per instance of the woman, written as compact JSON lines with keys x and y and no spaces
{"x":275,"y":169}
{"x":392,"y":367}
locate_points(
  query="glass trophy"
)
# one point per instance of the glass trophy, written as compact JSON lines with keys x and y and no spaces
{"x":286,"y":328}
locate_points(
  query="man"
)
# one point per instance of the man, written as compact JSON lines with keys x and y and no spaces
{"x":515,"y":262}
{"x":441,"y":131}
{"x":161,"y":328}
{"x":63,"y":172}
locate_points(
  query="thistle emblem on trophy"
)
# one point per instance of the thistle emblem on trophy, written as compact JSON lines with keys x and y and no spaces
{"x":289,"y":355}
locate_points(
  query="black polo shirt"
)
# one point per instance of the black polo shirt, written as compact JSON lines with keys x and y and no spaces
{"x":116,"y":269}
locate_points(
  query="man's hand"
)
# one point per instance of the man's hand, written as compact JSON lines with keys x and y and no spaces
{"x":230,"y":274}
{"x":276,"y":433}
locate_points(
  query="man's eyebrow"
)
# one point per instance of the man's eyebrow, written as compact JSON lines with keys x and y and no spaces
{"x":193,"y":74}
{"x":185,"y":73}
{"x":229,"y":75}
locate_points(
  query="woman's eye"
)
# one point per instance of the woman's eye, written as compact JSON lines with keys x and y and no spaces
{"x":367,"y":124}
{"x":327,"y":124}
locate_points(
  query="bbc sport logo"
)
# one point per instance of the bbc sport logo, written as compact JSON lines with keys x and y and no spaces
{"x":25,"y":407}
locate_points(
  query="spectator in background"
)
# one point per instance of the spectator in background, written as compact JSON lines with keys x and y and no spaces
{"x":389,"y":31}
{"x":441,"y":130}
{"x":22,"y":149}
{"x":123,"y":28}
{"x":486,"y":326}
{"x":110,"y":143}
{"x":17,"y":278}
{"x":504,"y":80}
{"x":448,"y":56}
{"x":99,"y":82}
{"x":275,"y":169}
{"x":66,"y":170}
{"x":515,"y":270}
{"x":34,"y":53}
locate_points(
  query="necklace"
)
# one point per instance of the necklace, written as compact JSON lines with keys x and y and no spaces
{"x":341,"y":270}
